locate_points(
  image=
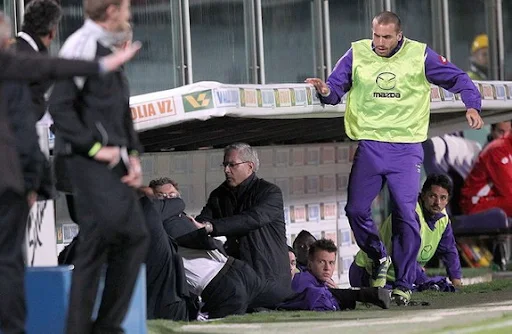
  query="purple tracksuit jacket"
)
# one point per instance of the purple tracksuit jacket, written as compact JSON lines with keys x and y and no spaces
{"x":438,"y":71}
{"x":312,"y":294}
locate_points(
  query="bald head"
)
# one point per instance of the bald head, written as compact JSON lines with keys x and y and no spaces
{"x":386,"y":18}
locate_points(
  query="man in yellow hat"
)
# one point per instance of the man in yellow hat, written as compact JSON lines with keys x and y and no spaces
{"x":479,"y":58}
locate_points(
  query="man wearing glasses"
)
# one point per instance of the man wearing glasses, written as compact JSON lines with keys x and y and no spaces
{"x":248,"y":211}
{"x":164,"y":188}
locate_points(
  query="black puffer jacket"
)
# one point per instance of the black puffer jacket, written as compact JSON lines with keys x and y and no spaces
{"x":251,"y":217}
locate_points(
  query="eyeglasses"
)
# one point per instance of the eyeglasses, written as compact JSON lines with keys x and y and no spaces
{"x":231,"y":164}
{"x":167,"y":195}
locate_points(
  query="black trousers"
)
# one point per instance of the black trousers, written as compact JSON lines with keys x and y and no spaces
{"x":232,"y":290}
{"x":271,"y":295}
{"x":112,"y":232}
{"x":166,"y":288}
{"x":13,"y":219}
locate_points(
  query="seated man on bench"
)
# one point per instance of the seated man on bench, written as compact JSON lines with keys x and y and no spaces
{"x":436,"y":235}
{"x":489,"y":184}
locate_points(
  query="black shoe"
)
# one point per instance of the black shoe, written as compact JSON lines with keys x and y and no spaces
{"x":377,"y":296}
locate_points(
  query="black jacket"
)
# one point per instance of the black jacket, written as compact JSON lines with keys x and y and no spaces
{"x":97,"y":113}
{"x":27,"y":105}
{"x":29,"y":68}
{"x":251,"y":216}
{"x":23,"y":121}
{"x":179,"y":228}
{"x":40,"y":87}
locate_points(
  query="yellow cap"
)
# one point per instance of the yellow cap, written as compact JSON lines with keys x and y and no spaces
{"x":481,"y":41}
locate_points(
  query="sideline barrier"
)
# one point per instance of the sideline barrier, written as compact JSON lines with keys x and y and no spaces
{"x":207,"y":99}
{"x":47,"y":294}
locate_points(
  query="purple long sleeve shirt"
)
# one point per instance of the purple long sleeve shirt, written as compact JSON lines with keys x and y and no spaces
{"x":438,"y":71}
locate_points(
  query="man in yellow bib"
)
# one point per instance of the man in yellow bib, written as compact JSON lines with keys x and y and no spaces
{"x":436,"y":237}
{"x":388,"y":83}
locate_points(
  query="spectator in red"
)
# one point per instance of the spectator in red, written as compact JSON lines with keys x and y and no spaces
{"x":489,"y":183}
{"x":499,"y":130}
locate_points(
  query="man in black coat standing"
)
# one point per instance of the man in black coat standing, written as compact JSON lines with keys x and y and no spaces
{"x":40,"y":23}
{"x":248,"y":211}
{"x":96,"y":137}
{"x":27,"y":102}
{"x":13,"y":204}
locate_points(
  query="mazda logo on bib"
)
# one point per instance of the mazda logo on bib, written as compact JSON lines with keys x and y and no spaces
{"x":386,"y":80}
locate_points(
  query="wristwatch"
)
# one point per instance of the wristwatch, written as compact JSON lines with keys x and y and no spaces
{"x":209,"y":227}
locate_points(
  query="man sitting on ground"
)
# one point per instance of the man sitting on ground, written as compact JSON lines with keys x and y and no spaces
{"x":293,"y":261}
{"x":436,"y":236}
{"x":301,"y":246}
{"x":317,"y":292}
{"x":167,"y":293}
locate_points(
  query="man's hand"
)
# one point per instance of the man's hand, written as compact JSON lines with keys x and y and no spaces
{"x":330,"y":284}
{"x":474,"y":119}
{"x":121,"y":56}
{"x":320,"y":86}
{"x":198,"y":224}
{"x":31,"y":198}
{"x":147,"y":191}
{"x":109,"y":154}
{"x":134,"y":177}
{"x":206,"y":225}
{"x":457,"y":282}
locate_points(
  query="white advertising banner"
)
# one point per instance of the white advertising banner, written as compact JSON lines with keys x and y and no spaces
{"x":206,"y":99}
{"x":40,"y":242}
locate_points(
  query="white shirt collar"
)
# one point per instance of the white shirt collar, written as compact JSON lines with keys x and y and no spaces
{"x":27,"y":38}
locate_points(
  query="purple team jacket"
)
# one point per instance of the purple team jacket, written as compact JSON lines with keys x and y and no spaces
{"x":438,"y":71}
{"x":312,"y":295}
